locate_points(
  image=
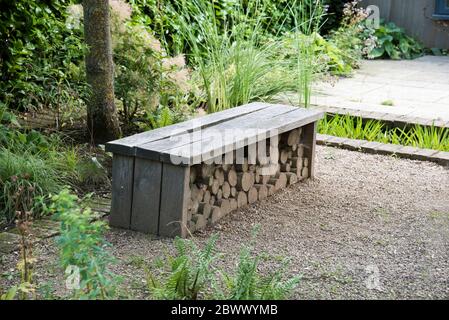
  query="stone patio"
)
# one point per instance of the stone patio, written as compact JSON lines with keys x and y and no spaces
{"x":415,"y":91}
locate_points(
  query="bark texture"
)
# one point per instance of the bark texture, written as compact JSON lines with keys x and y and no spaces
{"x":102,"y":119}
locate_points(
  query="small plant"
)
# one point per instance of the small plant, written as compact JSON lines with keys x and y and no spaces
{"x":248,"y":284}
{"x":10,"y":294}
{"x":83,"y":249}
{"x":188,"y":274}
{"x":389,"y":103}
{"x":26,"y":261}
{"x":191,"y":274}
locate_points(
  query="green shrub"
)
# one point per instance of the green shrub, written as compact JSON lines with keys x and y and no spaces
{"x":346,"y":44}
{"x":41,"y":57}
{"x":163,"y":17}
{"x":392,"y":42}
{"x":248,"y":284}
{"x":82,"y":247}
{"x":146,"y":78}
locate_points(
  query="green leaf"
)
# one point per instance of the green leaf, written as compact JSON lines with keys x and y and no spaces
{"x":377,"y":53}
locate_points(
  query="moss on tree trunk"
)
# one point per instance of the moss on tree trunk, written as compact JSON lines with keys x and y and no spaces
{"x":102,"y":117}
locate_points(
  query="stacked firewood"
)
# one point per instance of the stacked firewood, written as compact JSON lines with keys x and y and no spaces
{"x":217,"y":189}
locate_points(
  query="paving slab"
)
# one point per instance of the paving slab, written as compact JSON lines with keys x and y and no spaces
{"x":417,"y":89}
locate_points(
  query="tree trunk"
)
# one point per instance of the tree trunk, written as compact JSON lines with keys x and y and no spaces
{"x":102,"y":120}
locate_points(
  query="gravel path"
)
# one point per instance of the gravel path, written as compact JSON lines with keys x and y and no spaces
{"x":368,"y":227}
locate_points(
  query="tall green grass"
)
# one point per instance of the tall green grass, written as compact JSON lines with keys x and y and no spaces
{"x":235,"y":65}
{"x":374,"y":130}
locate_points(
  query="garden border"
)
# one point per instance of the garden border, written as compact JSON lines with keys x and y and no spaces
{"x":440,"y":157}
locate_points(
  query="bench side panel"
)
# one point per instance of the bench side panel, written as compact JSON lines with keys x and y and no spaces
{"x":146,"y":196}
{"x":122,"y":191}
{"x":175,"y":192}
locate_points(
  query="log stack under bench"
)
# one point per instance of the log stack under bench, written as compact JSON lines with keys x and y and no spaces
{"x":176,"y":180}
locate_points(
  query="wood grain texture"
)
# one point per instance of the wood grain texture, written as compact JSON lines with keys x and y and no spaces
{"x":127,"y":145}
{"x":122,"y":191}
{"x":146,"y":194}
{"x":175,"y":193}
{"x":309,"y":142}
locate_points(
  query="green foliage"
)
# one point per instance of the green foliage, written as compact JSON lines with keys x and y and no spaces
{"x":352,"y":127}
{"x":373,"y":130}
{"x":188,"y":274}
{"x":279,"y":17}
{"x":91,"y":173}
{"x":161,"y":118}
{"x":40,"y":56}
{"x":248,"y":284}
{"x":191,"y":274}
{"x":10,"y":294}
{"x":31,"y":165}
{"x":425,"y":137}
{"x":236,"y":67}
{"x":393,"y":43}
{"x":345,"y":45}
{"x":24,"y":176}
{"x":82,"y":245}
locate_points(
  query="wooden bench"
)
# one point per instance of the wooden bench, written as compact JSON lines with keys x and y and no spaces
{"x":175,"y":180}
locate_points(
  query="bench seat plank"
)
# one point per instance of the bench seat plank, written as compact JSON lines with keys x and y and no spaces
{"x":157,"y":149}
{"x":126,"y":146}
{"x":281,"y":119}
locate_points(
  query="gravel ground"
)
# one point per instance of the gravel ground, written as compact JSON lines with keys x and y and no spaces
{"x":368,"y":227}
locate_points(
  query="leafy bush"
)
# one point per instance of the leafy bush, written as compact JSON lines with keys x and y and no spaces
{"x":146,"y":78}
{"x":191,"y":274}
{"x":41,"y":57}
{"x":393,"y":43}
{"x":346,"y":44}
{"x":163,"y":17}
{"x":83,"y":247}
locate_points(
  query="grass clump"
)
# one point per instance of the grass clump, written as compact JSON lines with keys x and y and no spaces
{"x":346,"y":126}
{"x":234,"y":65}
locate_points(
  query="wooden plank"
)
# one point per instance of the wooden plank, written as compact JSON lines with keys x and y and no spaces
{"x":126,"y":146}
{"x":146,"y":194}
{"x":309,"y":142}
{"x":155,"y":150}
{"x":122,"y":191}
{"x":265,"y":129}
{"x":175,"y":192}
